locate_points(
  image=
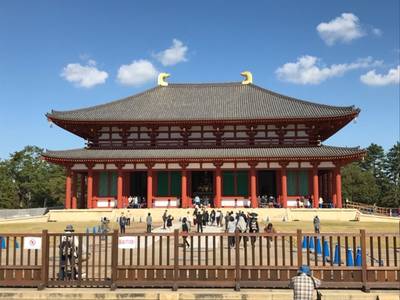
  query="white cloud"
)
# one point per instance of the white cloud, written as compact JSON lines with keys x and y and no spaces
{"x":372,"y":78}
{"x":137,"y":73}
{"x":308,"y":70}
{"x":173,"y":55}
{"x":345,"y":28}
{"x":85,"y":76}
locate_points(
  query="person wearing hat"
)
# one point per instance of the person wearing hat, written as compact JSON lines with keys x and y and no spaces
{"x":304,"y":284}
{"x":68,"y":254}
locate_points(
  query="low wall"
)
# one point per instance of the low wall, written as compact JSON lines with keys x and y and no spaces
{"x":273,"y":214}
{"x":36,"y":219}
{"x":21,"y":213}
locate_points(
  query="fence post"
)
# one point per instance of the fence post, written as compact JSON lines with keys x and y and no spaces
{"x":114,"y":259}
{"x":299,"y":248}
{"x":176,"y":259}
{"x":237,"y":260}
{"x":363,"y":241}
{"x":45,"y":260}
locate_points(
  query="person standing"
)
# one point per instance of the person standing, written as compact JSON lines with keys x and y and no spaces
{"x":149,"y":223}
{"x":321,"y":202}
{"x":199,"y":221}
{"x":253,"y":228}
{"x":304,"y":284}
{"x":218,"y":217}
{"x":164,"y":218}
{"x":122,"y":223}
{"x":317,"y":224}
{"x":231,"y":228}
{"x":185,"y":231}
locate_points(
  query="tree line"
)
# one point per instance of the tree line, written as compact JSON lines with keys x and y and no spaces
{"x":27,"y":181}
{"x":375,"y":179}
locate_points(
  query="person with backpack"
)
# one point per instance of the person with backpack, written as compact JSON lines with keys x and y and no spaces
{"x":122,"y":223}
{"x":185,"y":231}
{"x":317,"y":224}
{"x":69,"y":246}
{"x":304,"y":284}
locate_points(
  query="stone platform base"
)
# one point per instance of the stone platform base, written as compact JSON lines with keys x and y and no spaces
{"x":185,"y":294}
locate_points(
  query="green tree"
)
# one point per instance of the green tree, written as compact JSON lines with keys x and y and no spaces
{"x":37,"y":182}
{"x":393,"y":164}
{"x":359,"y":185}
{"x":8,"y":188}
{"x":374,"y":161}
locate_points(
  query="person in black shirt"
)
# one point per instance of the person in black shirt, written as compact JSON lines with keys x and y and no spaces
{"x":199,"y":221}
{"x":253,"y":228}
{"x":185,"y":231}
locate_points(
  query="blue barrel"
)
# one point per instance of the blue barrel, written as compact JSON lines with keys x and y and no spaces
{"x":349,"y":259}
{"x":318,"y":247}
{"x":358,"y":257}
{"x":326,"y":250}
{"x":3,"y":242}
{"x":336,"y":258}
{"x":305,"y":243}
{"x":311,"y":246}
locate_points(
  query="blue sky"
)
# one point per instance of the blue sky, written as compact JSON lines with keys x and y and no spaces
{"x":70,"y":54}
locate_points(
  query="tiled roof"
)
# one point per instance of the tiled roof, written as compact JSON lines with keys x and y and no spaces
{"x":216,"y":101}
{"x":272,"y":153}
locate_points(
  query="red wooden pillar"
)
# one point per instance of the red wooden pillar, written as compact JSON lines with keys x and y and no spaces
{"x":218,"y":184}
{"x":253,"y":185}
{"x":315,"y":185}
{"x":284,"y":184}
{"x":68,"y":188}
{"x":74,"y":189}
{"x":184,"y":199}
{"x":90,"y":186}
{"x":338,"y":186}
{"x":120,"y":186}
{"x":149,"y":185}
{"x":333,"y":184}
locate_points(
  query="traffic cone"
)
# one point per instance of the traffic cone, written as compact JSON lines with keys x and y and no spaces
{"x":311,"y":244}
{"x":305,"y":243}
{"x":337,"y":255}
{"x":349,"y":260}
{"x":358,"y":257}
{"x":318,"y":248}
{"x":326,"y":251}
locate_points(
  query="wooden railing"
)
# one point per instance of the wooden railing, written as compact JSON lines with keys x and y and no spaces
{"x":340,"y":260}
{"x":372,"y":209}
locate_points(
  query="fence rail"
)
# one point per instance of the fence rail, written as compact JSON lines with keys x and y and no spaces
{"x":374,"y":210}
{"x":340,"y":260}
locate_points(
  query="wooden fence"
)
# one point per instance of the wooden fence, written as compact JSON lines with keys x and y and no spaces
{"x":374,"y":210}
{"x":340,"y":260}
